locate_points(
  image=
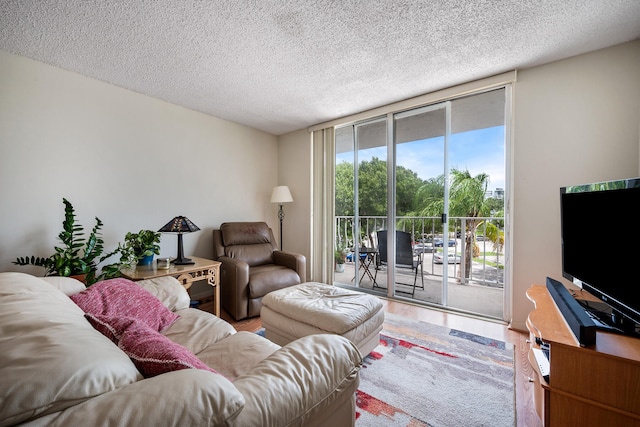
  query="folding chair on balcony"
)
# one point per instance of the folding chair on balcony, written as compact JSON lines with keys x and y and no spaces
{"x":404,"y":258}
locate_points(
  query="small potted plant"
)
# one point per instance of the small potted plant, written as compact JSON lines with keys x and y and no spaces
{"x":137,"y":249}
{"x":77,"y":257}
{"x":144,"y":245}
{"x":340,"y":256}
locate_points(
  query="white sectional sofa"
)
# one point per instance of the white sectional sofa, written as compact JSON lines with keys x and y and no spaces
{"x":56,"y":369}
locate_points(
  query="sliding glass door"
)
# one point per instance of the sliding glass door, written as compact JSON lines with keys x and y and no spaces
{"x":434,"y":177}
{"x":421,"y":199}
{"x":360,"y":198}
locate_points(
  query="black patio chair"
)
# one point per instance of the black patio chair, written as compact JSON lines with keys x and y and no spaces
{"x":404,"y":258}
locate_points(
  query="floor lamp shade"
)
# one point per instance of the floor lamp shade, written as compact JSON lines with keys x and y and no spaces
{"x":281,"y":195}
{"x":180,"y":225}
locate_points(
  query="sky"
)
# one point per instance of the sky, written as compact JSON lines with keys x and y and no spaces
{"x":479,"y":151}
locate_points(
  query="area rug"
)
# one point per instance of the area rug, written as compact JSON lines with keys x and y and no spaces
{"x":428,"y":375}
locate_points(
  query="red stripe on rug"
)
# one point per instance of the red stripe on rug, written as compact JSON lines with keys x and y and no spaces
{"x":385,"y":341}
{"x":374,"y":406}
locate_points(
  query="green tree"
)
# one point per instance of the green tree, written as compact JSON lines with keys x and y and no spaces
{"x":344,"y":189}
{"x":372,"y":187}
{"x":429,"y":202}
{"x":495,"y":205}
{"x":408,"y":184}
{"x":495,"y":236}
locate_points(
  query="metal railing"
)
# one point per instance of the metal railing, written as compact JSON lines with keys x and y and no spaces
{"x":487,"y":266}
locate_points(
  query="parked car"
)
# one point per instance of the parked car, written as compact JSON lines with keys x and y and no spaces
{"x":439,"y":243}
{"x":438,"y":258}
{"x":422,"y":248}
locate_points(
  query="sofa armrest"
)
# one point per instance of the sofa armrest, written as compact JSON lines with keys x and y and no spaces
{"x":187,"y":397}
{"x":293,"y":261}
{"x":301,"y":383}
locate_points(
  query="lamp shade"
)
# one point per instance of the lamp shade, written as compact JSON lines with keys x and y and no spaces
{"x":281,"y":195}
{"x":179,"y":224}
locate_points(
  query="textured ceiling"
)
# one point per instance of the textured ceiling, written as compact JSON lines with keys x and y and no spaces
{"x":283,"y":65}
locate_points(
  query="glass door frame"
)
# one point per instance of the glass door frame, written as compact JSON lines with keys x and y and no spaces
{"x":391,"y":191}
{"x":500,"y":82}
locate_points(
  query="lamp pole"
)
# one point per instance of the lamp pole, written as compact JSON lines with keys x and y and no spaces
{"x":281,"y":195}
{"x":281,"y":217}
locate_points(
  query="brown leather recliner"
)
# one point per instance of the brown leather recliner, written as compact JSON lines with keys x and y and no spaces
{"x":252,"y":266}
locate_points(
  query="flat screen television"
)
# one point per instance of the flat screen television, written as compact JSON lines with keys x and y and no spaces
{"x":600,"y":231}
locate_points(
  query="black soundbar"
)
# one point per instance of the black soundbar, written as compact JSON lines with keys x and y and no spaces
{"x":582,"y":326}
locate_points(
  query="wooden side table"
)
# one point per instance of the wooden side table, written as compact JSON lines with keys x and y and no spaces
{"x":203,"y":269}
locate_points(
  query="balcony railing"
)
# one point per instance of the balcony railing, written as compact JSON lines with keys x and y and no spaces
{"x":487,"y":266}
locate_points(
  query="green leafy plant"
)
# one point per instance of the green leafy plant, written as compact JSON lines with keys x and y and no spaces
{"x":127,"y":259}
{"x":135,"y":247}
{"x":340,"y":255}
{"x":77,"y":255}
{"x":144,"y":243}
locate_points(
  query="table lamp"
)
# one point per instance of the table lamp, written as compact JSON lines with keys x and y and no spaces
{"x":180,"y":225}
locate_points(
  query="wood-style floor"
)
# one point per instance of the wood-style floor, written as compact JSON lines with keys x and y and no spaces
{"x":525,"y":409}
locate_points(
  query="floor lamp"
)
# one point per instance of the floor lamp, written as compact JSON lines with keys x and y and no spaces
{"x":281,"y":195}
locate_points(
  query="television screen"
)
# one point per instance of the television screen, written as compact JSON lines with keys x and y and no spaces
{"x":600,"y":235}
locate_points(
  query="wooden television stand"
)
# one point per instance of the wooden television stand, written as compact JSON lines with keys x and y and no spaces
{"x":588,"y":386}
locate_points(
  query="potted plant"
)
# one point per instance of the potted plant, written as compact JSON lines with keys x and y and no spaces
{"x":137,"y":249}
{"x":127,"y":259}
{"x":339,"y":257}
{"x":77,"y":256}
{"x":144,"y":244}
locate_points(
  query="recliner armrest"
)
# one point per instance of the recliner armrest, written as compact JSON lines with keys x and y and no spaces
{"x":234,"y":270}
{"x":234,"y":281}
{"x":294,"y":261}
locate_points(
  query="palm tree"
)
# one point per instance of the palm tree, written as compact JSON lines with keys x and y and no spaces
{"x":496,"y":236}
{"x":467,"y":200}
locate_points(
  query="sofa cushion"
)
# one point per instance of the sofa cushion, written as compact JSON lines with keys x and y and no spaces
{"x":188,"y":397}
{"x":197,"y":329}
{"x":168,"y":290}
{"x":67,"y":285}
{"x":124,"y":298}
{"x":50,"y":356}
{"x":237,"y":354}
{"x":151,"y":352}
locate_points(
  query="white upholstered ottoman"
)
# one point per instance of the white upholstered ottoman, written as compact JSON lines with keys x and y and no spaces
{"x":316,"y":308}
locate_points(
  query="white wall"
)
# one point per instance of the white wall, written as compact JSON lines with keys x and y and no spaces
{"x":575,"y":121}
{"x":131,"y":160}
{"x":294,"y":161}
